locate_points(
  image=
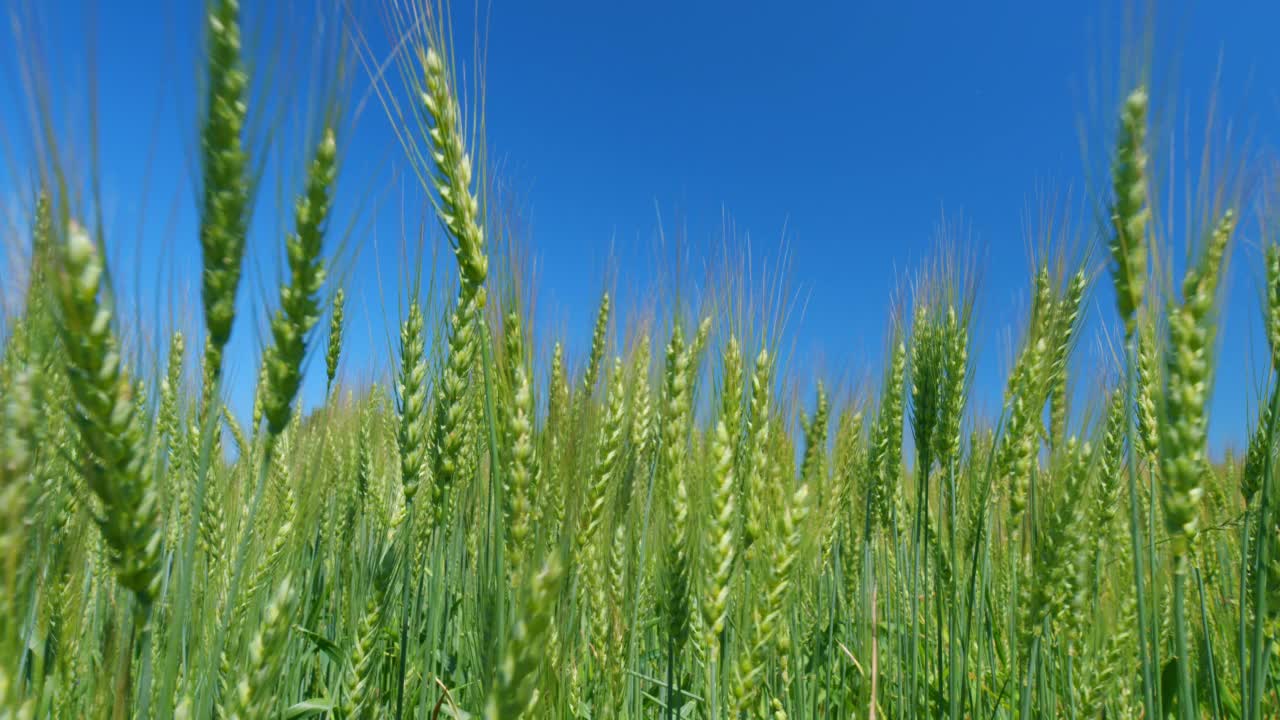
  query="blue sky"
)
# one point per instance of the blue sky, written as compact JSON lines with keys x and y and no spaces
{"x":844,"y":132}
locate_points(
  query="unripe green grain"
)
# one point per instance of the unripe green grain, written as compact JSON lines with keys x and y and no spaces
{"x":1260,"y":444}
{"x":519,"y":475}
{"x":336,"y":320}
{"x":1129,"y":213}
{"x":225,"y":199}
{"x":1020,"y":438}
{"x":675,"y":596}
{"x":719,"y":542}
{"x":112,"y":461}
{"x":608,"y":452}
{"x":1066,"y":320}
{"x":413,"y":398}
{"x":598,"y":342}
{"x":813,"y":467}
{"x":955,"y":368}
{"x":299,"y":303}
{"x":754,"y":486}
{"x":459,"y":209}
{"x":1273,"y":303}
{"x":927,"y":348}
{"x":1058,"y":591}
{"x":885,"y":459}
{"x":1184,"y":426}
{"x":1149,"y":380}
{"x":253,"y":695}
{"x":517,"y":677}
{"x":1107,"y":499}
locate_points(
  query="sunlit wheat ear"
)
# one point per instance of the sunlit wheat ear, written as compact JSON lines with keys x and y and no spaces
{"x":603,"y":474}
{"x":926,"y":380}
{"x":413,"y":399}
{"x":16,"y":449}
{"x":1024,"y":403}
{"x":362,"y":696}
{"x":699,"y":343}
{"x":459,"y":208}
{"x":618,"y":584}
{"x":784,"y":540}
{"x":1256,"y":455}
{"x":1107,"y":497}
{"x":1057,"y":594}
{"x":1129,"y":213}
{"x":170,"y":386}
{"x":520,"y":471}
{"x":754,"y":491}
{"x":598,"y":342}
{"x":1148,"y":385}
{"x":336,"y":320}
{"x":1184,"y":423}
{"x":557,"y":428}
{"x":813,"y":467}
{"x":237,"y":432}
{"x":19,"y":420}
{"x":299,"y":302}
{"x":517,"y":678}
{"x":719,"y":542}
{"x":225,"y":184}
{"x":885,"y":458}
{"x":675,"y":568}
{"x":731,"y":394}
{"x":254,"y":695}
{"x":452,"y":417}
{"x":112,"y":459}
{"x":1273,"y":303}
{"x":1066,"y":320}
{"x":955,"y":369}
{"x":641,"y":431}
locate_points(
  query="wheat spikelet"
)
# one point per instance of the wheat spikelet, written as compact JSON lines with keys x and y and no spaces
{"x":253,"y":694}
{"x":954,"y":370}
{"x":1066,"y":320}
{"x":413,"y":397}
{"x":112,"y":461}
{"x":753,"y":491}
{"x":1184,"y":426}
{"x":720,"y":541}
{"x":299,"y":305}
{"x":514,"y":692}
{"x":225,"y":199}
{"x":336,"y":321}
{"x":885,"y":458}
{"x":1129,"y":213}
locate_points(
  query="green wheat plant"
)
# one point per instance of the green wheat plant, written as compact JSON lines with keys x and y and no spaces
{"x":673,"y":515}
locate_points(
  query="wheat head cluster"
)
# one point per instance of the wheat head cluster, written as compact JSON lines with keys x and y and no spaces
{"x":668,"y":529}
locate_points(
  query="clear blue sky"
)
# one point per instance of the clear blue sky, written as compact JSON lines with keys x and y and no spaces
{"x":844,"y":130}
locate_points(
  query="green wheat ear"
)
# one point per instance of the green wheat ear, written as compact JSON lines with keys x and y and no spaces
{"x":459,"y":209}
{"x":225,"y":200}
{"x":520,"y":470}
{"x":517,"y":678}
{"x":1273,"y":303}
{"x":1129,"y":213}
{"x":299,"y":306}
{"x":254,"y":695}
{"x":336,"y":320}
{"x":1184,"y":425}
{"x":112,"y":459}
{"x":885,"y":459}
{"x":413,"y":399}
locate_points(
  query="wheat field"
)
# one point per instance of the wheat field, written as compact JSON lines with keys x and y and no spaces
{"x":669,"y":529}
